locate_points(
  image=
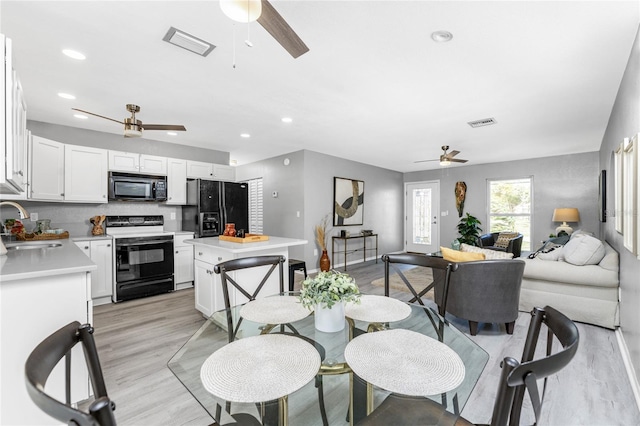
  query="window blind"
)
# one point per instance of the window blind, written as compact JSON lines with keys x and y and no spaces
{"x":255,"y":206}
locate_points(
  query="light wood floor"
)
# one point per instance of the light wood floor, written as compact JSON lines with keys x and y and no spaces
{"x":136,"y":339}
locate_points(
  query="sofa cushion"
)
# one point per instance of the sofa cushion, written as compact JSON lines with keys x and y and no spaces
{"x":488,"y":254}
{"x":583,"y":250}
{"x":554,"y":253}
{"x":458,"y":256}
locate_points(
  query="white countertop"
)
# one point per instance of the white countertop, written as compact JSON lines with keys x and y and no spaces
{"x":42,"y":262}
{"x":271,"y":243}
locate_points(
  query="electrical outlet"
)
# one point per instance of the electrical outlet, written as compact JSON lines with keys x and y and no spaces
{"x":298,"y":214}
{"x":33,"y":216}
{"x":315,"y":252}
{"x":173,"y":216}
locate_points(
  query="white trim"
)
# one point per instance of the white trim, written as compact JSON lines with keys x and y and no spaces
{"x":626,"y":359}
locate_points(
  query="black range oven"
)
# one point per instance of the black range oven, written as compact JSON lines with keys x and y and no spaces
{"x":143,"y":255}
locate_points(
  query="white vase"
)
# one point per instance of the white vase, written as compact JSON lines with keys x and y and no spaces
{"x":331,"y":319}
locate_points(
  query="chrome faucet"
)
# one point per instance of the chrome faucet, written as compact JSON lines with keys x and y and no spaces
{"x":23,"y":215}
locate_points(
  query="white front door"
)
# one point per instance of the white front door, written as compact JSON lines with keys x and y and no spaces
{"x":422,"y":227}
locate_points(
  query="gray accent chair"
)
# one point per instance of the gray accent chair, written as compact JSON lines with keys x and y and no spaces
{"x":488,"y":241}
{"x":482,"y":291}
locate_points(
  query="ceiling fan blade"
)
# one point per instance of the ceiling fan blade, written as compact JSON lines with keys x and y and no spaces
{"x":275,"y":25}
{"x":453,"y":153}
{"x":425,"y":161}
{"x":176,"y":127}
{"x":97,"y":115}
{"x":453,"y":160}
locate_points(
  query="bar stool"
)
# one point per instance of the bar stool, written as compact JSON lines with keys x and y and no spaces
{"x":296,"y":265}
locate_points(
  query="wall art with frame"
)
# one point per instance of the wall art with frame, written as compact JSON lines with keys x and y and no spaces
{"x":348,"y":204}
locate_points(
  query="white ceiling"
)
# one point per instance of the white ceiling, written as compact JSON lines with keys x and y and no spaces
{"x":373,"y":88}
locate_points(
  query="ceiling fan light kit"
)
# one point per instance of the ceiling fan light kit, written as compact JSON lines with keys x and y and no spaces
{"x":187,"y":41}
{"x":242,"y":10}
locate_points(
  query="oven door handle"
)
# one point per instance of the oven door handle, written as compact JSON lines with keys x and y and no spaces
{"x":142,"y":243}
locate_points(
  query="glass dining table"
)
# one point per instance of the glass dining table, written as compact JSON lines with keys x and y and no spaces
{"x":344,"y":394}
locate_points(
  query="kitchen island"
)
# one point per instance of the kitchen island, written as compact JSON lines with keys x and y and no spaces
{"x":41,"y":290}
{"x":211,"y":251}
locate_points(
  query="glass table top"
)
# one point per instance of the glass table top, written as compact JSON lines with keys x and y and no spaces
{"x":303,"y":407}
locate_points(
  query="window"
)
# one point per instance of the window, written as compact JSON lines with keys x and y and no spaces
{"x":255,"y":206}
{"x":510,"y":207}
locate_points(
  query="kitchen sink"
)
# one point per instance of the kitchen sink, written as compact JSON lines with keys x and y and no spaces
{"x":31,"y":245}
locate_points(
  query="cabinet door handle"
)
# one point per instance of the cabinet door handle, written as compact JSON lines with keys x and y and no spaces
{"x":86,"y":247}
{"x":199,"y":253}
{"x":219,"y":258}
{"x":108,"y":245}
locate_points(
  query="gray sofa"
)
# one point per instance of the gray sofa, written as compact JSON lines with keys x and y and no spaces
{"x":587,"y":293}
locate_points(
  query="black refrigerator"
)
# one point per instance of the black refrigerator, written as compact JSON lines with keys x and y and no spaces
{"x":212,"y":204}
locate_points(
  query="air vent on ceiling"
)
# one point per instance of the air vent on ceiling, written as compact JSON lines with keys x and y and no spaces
{"x":189,"y":42}
{"x":483,"y":122}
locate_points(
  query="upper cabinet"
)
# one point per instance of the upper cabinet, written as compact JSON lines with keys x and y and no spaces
{"x":13,"y":125}
{"x":137,"y":163}
{"x":222,"y":172}
{"x":199,"y":170}
{"x":85,"y":174}
{"x":176,"y":181}
{"x":47,"y":170}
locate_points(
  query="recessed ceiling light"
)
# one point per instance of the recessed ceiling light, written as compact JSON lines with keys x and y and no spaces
{"x":187,"y":41}
{"x":441,"y":36}
{"x":66,"y":95}
{"x":245,"y":135}
{"x":74,"y":54}
{"x":80,"y":116}
{"x":172,"y":133}
{"x":287,"y":119}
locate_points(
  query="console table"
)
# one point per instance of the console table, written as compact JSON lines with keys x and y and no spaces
{"x":345,"y":250}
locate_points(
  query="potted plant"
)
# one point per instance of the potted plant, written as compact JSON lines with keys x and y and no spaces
{"x":469,"y":230}
{"x":326,"y":293}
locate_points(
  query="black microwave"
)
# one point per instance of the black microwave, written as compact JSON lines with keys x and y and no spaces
{"x":130,"y":187}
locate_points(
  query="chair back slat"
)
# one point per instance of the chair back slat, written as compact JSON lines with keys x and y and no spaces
{"x":44,"y":358}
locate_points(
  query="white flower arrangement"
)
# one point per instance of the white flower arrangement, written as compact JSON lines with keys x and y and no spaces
{"x":328,"y":288}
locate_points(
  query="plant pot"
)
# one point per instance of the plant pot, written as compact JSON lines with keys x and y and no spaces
{"x":329,"y":320}
{"x":325,"y":263}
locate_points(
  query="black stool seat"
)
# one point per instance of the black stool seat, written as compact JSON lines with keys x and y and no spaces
{"x":296,"y":265}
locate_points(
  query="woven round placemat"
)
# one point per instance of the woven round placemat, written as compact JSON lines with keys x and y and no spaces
{"x":377,"y":309}
{"x":275,"y":310}
{"x":405,"y":362}
{"x":260,"y":368}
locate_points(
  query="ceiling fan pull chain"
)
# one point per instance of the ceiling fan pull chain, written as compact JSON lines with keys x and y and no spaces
{"x":233,"y":42}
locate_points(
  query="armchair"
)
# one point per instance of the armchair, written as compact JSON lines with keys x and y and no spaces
{"x":509,"y":243}
{"x":481,"y":291}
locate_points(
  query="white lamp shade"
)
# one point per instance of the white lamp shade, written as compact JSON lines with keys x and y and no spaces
{"x":242,"y":10}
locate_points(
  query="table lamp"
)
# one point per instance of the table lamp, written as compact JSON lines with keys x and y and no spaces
{"x":565,"y":215}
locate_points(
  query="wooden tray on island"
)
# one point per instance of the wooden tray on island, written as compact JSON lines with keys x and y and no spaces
{"x":41,"y":237}
{"x":248,"y":238}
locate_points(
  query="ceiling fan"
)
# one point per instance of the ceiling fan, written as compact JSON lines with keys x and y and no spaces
{"x":267,"y":16}
{"x":132,"y":127}
{"x":446,"y":159}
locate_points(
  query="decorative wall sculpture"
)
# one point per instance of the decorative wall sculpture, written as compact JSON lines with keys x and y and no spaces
{"x":348,"y":205}
{"x":461,"y":194}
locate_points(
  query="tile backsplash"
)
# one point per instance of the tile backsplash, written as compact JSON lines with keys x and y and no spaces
{"x":75,"y":217}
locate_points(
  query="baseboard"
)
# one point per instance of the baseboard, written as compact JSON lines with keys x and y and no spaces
{"x":626,"y":358}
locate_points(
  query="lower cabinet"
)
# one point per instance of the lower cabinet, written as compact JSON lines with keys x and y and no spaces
{"x":183,"y":261}
{"x":101,"y":253}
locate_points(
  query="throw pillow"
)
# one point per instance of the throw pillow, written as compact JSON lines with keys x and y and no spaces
{"x":504,"y":238}
{"x":458,"y":256}
{"x":554,"y":253}
{"x":488,"y":254}
{"x":585,"y":250}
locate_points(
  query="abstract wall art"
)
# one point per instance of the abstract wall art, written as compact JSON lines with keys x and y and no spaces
{"x":348,"y":204}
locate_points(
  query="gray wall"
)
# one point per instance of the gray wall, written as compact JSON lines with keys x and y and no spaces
{"x":75,"y":136}
{"x":306,"y":185}
{"x":625,"y":122}
{"x":562,"y":181}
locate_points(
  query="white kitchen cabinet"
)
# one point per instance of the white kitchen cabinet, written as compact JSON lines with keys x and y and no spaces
{"x":13,"y":125}
{"x":133,"y":162}
{"x":183,"y":261}
{"x":224,"y":173}
{"x":101,"y":253}
{"x":176,"y":181}
{"x":85,"y":174}
{"x":204,"y":287}
{"x":47,"y":170}
{"x":199,"y":170}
